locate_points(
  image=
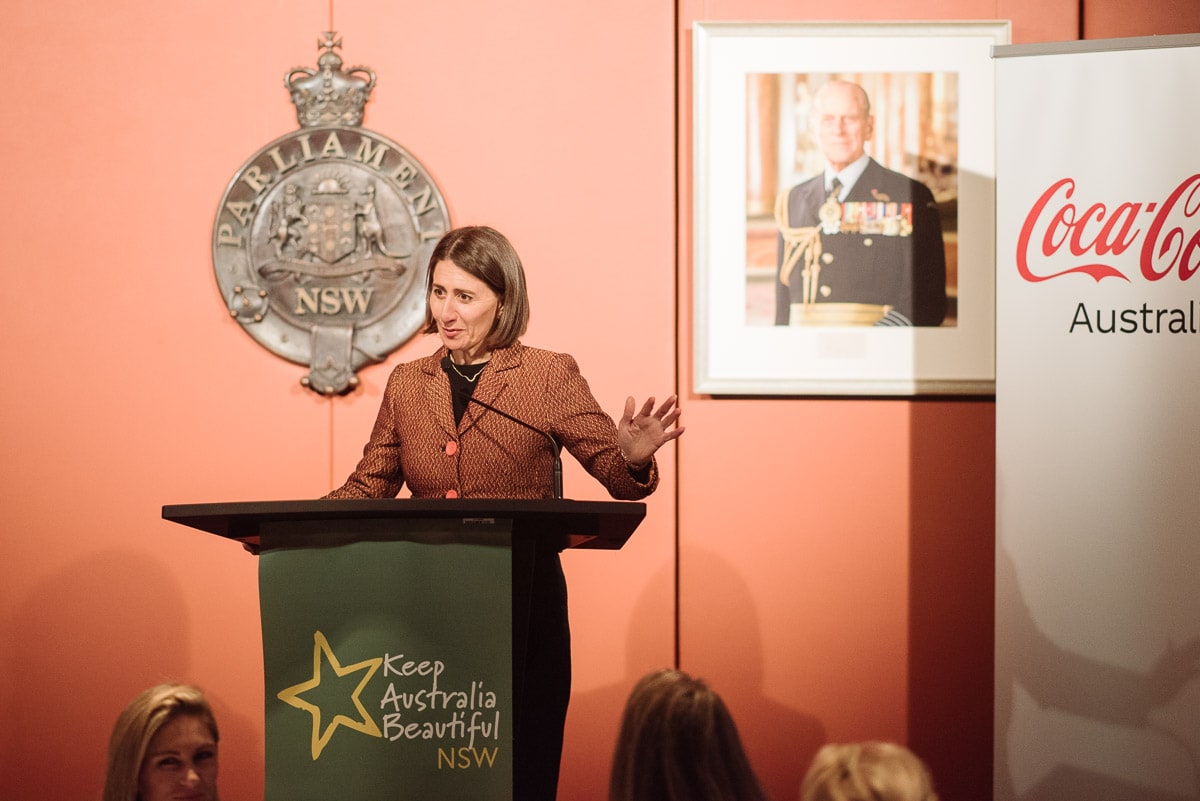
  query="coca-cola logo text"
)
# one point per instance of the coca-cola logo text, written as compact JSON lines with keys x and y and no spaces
{"x":1059,"y":231}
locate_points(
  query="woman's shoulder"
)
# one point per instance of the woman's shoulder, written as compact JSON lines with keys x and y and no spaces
{"x":520,"y":355}
{"x":422,"y":365}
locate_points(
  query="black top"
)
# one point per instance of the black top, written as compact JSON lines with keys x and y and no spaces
{"x":462,"y":384}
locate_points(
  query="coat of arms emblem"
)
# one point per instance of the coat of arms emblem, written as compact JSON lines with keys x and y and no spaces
{"x":322,"y":237}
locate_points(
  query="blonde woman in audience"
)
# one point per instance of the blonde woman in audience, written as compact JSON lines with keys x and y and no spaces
{"x":870,"y":771}
{"x":163,"y":747}
{"x":678,"y":742}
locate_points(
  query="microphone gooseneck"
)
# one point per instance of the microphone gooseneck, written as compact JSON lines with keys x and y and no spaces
{"x":555,"y":448}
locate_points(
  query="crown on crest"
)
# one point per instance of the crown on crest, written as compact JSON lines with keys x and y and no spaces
{"x":329,"y":95}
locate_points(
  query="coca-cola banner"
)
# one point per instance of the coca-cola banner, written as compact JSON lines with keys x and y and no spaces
{"x":1098,"y":420}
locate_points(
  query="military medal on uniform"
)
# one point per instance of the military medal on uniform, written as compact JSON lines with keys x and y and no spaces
{"x":830,"y":214}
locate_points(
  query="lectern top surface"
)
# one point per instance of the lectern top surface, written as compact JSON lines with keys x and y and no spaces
{"x":561,"y":523}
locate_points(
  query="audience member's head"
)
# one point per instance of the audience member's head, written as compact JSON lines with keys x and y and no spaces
{"x":678,"y":742}
{"x":871,"y":771}
{"x":164,"y":745}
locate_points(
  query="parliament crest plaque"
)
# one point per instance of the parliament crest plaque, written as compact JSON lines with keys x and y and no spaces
{"x":322,"y":237}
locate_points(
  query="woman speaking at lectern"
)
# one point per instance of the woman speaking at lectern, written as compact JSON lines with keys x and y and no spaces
{"x":436,"y":433}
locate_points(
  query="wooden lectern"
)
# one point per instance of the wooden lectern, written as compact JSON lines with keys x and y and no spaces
{"x":395,"y":634}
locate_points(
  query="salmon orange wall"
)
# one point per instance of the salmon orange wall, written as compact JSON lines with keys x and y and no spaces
{"x":819,"y":607}
{"x":130,"y":386}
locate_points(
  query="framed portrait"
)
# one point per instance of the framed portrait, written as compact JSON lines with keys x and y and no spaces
{"x":844,"y":208}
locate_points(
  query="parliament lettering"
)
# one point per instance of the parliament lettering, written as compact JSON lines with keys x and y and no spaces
{"x":1056,"y":229}
{"x":283,"y":158}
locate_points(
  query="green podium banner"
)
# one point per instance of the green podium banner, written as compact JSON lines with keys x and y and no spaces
{"x":388,"y":668}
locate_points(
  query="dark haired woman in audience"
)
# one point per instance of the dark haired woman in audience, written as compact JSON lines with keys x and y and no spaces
{"x":678,"y":742}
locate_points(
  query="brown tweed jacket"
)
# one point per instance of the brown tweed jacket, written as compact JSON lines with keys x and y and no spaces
{"x":416,"y":442}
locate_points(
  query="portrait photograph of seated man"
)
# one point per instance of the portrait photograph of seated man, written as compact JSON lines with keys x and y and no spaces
{"x":851,"y":199}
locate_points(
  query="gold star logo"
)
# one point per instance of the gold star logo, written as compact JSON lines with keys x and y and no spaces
{"x":291,"y":695}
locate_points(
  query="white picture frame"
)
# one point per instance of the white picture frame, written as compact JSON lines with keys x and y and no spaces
{"x":738,"y":351}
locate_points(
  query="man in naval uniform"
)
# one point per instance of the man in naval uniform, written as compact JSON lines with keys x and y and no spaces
{"x":859,"y":232}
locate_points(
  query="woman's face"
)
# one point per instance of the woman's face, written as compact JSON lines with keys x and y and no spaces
{"x":180,"y":763}
{"x":465,"y":310}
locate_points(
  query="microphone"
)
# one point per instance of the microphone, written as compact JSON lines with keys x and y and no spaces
{"x":555,"y":448}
